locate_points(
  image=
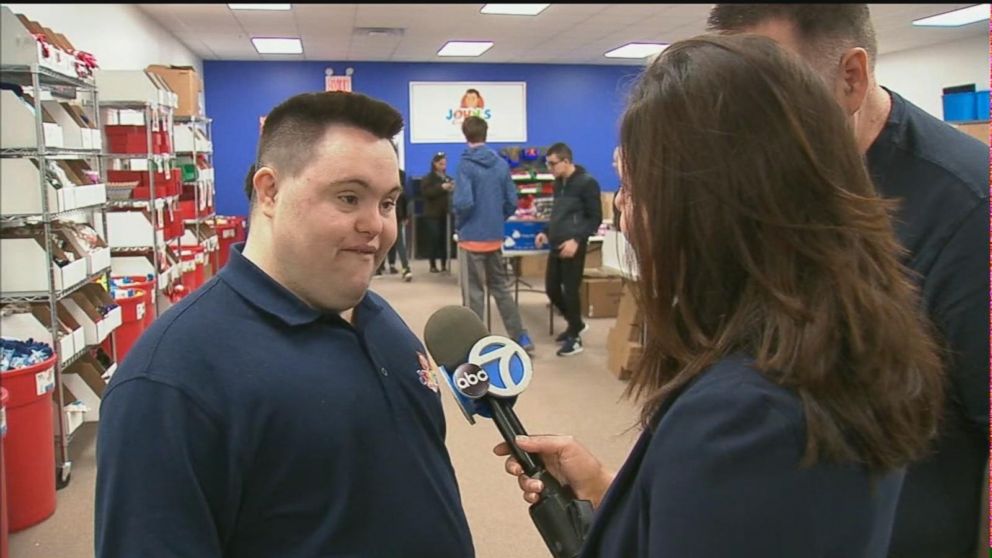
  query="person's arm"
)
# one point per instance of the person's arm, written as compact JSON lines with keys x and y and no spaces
{"x":163,"y":486}
{"x":463,"y":199}
{"x":592,"y":209}
{"x":430,"y":187}
{"x":956,"y":294}
{"x":509,"y":196}
{"x":722,"y":478}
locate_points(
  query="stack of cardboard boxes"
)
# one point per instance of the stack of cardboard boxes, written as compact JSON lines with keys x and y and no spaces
{"x":184,"y":82}
{"x":624,"y":342}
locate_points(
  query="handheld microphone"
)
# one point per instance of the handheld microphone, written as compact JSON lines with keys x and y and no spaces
{"x":485,"y":373}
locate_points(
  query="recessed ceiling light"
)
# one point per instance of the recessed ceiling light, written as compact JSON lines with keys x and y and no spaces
{"x":464,"y":48}
{"x":514,"y":9}
{"x":273,"y":7}
{"x":273,"y":45}
{"x":964,"y":16}
{"x":636,"y":50}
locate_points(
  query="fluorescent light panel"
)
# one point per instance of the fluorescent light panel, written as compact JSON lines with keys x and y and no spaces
{"x":636,"y":50}
{"x":271,"y":7}
{"x":964,"y":16}
{"x":276,"y":45}
{"x":465,"y":48}
{"x":514,"y":9}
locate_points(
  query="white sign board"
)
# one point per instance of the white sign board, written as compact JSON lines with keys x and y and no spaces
{"x":438,"y":108}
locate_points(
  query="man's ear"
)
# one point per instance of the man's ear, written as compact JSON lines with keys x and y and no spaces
{"x":854,"y":79}
{"x":266,"y":190}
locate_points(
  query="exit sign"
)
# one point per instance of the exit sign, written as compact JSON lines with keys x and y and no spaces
{"x":337,"y":83}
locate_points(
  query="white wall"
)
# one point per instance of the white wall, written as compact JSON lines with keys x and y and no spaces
{"x":120,"y":36}
{"x":921,"y":74}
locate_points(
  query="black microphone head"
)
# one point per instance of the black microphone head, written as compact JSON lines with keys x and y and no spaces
{"x":450,"y":334}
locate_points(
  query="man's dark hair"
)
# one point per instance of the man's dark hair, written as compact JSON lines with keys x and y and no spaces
{"x":475,"y":129}
{"x":250,"y":183}
{"x":476,"y":91}
{"x":298,"y":123}
{"x":825,"y":30}
{"x":563,"y":151}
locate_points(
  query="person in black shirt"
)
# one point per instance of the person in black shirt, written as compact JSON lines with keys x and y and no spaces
{"x":436,"y":187}
{"x":939,"y":178}
{"x":575,"y":216}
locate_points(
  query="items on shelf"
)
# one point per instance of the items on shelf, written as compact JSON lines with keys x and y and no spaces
{"x":15,"y":354}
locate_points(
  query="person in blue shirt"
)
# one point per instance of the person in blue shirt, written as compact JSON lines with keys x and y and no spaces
{"x":939,"y":178}
{"x":484,"y":198}
{"x":788,"y":376}
{"x":283,"y":409}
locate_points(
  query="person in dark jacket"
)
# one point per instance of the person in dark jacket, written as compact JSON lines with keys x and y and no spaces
{"x":402,"y":217}
{"x":938,"y":178}
{"x":575,"y":216}
{"x":788,"y":377}
{"x":436,"y":188}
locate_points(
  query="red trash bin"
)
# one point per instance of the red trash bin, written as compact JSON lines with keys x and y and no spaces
{"x":29,"y":447}
{"x":227,"y":234}
{"x":142,"y":283}
{"x":133,"y":310}
{"x":4,"y":546}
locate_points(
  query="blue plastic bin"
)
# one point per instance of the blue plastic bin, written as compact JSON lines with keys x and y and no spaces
{"x":960,"y":107}
{"x":982,"y":105}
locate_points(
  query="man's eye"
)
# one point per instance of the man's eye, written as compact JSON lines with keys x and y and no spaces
{"x":388,"y":204}
{"x":350,"y":200}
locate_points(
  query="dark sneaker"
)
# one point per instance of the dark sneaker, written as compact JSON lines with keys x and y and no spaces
{"x":563,"y":336}
{"x":393,"y":270}
{"x":407,"y":275}
{"x":572,"y":346}
{"x":434,"y":270}
{"x":525,"y":342}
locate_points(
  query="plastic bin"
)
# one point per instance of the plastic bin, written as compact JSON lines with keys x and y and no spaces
{"x":960,"y":107}
{"x":29,"y":450}
{"x":4,"y":529}
{"x":144,"y":284}
{"x":982,"y":105}
{"x":192,"y":259}
{"x":133,"y":310}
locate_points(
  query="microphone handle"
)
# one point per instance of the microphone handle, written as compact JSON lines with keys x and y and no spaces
{"x":560,"y":517}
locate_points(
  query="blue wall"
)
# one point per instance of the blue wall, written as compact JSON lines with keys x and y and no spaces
{"x":579,"y":105}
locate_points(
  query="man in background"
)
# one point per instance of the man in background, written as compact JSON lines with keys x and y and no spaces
{"x":575,"y":216}
{"x":283,"y":409}
{"x":939,"y":178}
{"x":484,"y":198}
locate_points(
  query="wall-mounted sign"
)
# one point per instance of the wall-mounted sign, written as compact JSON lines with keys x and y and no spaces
{"x":337,"y":83}
{"x":437,"y":110}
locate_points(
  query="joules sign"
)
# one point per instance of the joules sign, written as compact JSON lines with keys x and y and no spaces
{"x":438,"y":109}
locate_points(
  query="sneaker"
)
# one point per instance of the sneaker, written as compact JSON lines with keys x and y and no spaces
{"x":407,"y":275}
{"x":525,"y":342}
{"x":393,"y":270}
{"x":572,"y":346}
{"x":563,"y":336}
{"x":435,"y":270}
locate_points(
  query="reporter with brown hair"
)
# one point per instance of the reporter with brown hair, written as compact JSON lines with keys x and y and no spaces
{"x":788,"y":375}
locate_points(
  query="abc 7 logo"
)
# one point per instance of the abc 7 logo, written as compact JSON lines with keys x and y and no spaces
{"x":471,"y":381}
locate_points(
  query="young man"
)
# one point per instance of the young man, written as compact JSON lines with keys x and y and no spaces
{"x":939,"y":177}
{"x":253,"y":419}
{"x":399,"y":247}
{"x":484,"y":198}
{"x":575,"y":216}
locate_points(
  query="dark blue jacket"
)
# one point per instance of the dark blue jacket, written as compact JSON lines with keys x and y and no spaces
{"x":719,"y":477}
{"x":484,"y":196}
{"x":940,"y":177}
{"x":246,"y":424}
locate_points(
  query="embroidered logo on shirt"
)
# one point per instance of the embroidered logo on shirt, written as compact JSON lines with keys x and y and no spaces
{"x":426,"y":374}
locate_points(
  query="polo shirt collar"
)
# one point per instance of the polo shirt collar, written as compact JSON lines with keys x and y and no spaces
{"x":263,"y":292}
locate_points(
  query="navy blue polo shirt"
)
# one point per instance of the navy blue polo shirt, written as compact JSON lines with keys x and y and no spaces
{"x":244,"y":423}
{"x":940,"y":177}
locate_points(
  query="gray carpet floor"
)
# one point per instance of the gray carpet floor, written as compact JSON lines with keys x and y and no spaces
{"x":574,"y":395}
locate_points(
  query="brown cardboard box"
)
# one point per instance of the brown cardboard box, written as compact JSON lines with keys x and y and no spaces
{"x":534,"y":266}
{"x":978,"y":130}
{"x":90,"y":371}
{"x":600,"y":296}
{"x":594,"y":255}
{"x":185,"y":82}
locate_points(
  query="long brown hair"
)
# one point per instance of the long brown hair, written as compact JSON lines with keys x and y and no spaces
{"x":757,"y":230}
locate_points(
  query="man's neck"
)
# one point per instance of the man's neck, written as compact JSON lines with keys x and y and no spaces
{"x":472,"y":145}
{"x":870,"y":120}
{"x":569,"y":172}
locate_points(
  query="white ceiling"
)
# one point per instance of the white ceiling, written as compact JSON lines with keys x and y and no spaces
{"x":561,"y":34}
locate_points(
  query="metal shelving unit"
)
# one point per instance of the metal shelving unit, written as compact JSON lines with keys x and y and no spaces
{"x":156,"y":118}
{"x":47,"y":85}
{"x":204,"y":124}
